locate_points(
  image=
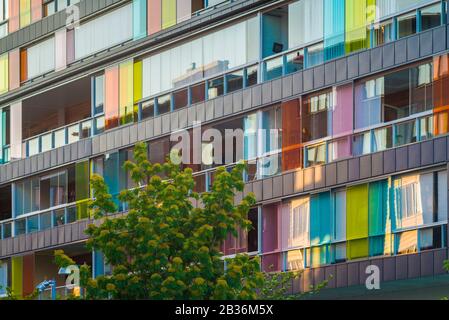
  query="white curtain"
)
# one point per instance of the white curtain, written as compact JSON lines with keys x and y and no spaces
{"x":104,"y":32}
{"x":41,"y":58}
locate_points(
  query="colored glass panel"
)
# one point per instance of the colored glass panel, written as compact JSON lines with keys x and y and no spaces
{"x":139,"y":19}
{"x":291,"y":135}
{"x":154,"y":16}
{"x":25,"y":13}
{"x":111,"y":97}
{"x":4,"y":73}
{"x":14,"y":11}
{"x":168,"y":13}
{"x":126,"y":110}
{"x":320,"y":256}
{"x":17,"y":276}
{"x":343,"y":111}
{"x":357,"y":249}
{"x":14,"y":69}
{"x":320,"y":219}
{"x":359,"y":14}
{"x":183,"y":10}
{"x":36,"y":10}
{"x":334,"y":29}
{"x":111,"y":174}
{"x":440,"y":96}
{"x":82,"y":189}
{"x":357,"y":212}
{"x":138,"y":89}
{"x":378,"y":208}
{"x":28,"y":274}
{"x":98,"y":264}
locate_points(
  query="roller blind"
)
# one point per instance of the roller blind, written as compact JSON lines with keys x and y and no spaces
{"x":41,"y":58}
{"x":104,"y":32}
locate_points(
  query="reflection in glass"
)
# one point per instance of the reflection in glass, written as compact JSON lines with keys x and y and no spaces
{"x":198,"y":93}
{"x":164,"y":104}
{"x":33,"y":224}
{"x":383,"y":139}
{"x":46,"y":221}
{"x":59,"y":138}
{"x":294,"y":62}
{"x":215,"y":88}
{"x":180,"y":99}
{"x":147,"y":109}
{"x":46,"y":141}
{"x":315,"y":55}
{"x":273,"y":68}
{"x":251,"y":76}
{"x":431,"y":17}
{"x":20,"y":227}
{"x":59,"y":218}
{"x":405,"y":133}
{"x":406,"y":25}
{"x":73,"y":133}
{"x":316,"y":155}
{"x":361,"y":144}
{"x":234,"y":81}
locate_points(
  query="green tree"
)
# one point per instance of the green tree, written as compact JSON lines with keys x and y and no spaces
{"x":165,"y":248}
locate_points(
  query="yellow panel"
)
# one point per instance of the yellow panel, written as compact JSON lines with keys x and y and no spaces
{"x":126,"y":110}
{"x":17,"y":276}
{"x":359,"y":15}
{"x":137,"y":81}
{"x":25,"y":13}
{"x":168,"y":13}
{"x":4,"y":73}
{"x":357,"y":249}
{"x":357,"y":212}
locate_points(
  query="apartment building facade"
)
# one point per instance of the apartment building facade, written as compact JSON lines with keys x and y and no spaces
{"x":355,"y":90}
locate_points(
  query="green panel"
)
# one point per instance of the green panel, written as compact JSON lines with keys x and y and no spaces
{"x":168,"y":13}
{"x":359,"y":15}
{"x":82,"y":189}
{"x":357,"y":249}
{"x":17,"y":276}
{"x":320,"y":219}
{"x":357,"y":212}
{"x":378,"y":207}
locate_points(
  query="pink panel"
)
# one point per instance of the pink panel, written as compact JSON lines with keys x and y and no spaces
{"x":343,"y":148}
{"x":61,"y":49}
{"x":36,"y":10}
{"x":270,"y":232}
{"x":271,"y":262}
{"x":154,"y":16}
{"x":14,"y":16}
{"x":183,"y":10}
{"x":343,"y":110}
{"x":14,"y":69}
{"x":70,"y":42}
{"x":16,"y":131}
{"x":112,"y":97}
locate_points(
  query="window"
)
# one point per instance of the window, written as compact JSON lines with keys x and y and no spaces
{"x":53,"y":190}
{"x":382,"y":139}
{"x":299,"y":223}
{"x":251,"y":76}
{"x":431,"y":17}
{"x":147,"y":109}
{"x":253,"y":233}
{"x":215,"y":88}
{"x":406,"y":25}
{"x":383,"y":32}
{"x":5,"y":133}
{"x":20,"y":227}
{"x":430,"y":238}
{"x":53,"y":6}
{"x":26,"y":197}
{"x":405,"y":133}
{"x":316,"y":112}
{"x":340,"y":216}
{"x":180,"y":99}
{"x":99,"y":94}
{"x":4,"y":14}
{"x":294,"y":62}
{"x":5,"y":203}
{"x":33,"y":224}
{"x":315,"y":55}
{"x":46,"y":221}
{"x":305,"y":19}
{"x":198,"y":93}
{"x":316,"y":155}
{"x":273,"y":68}
{"x":3,"y":278}
{"x":164,"y":104}
{"x":234,"y":81}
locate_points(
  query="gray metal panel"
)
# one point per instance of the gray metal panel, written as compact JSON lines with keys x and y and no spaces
{"x":166,"y":123}
{"x":439,"y":39}
{"x":149,"y":124}
{"x":247,"y":97}
{"x":318,"y":77}
{"x":298,"y":87}
{"x":426,"y":264}
{"x":365,"y":167}
{"x":353,"y":66}
{"x":362,"y":271}
{"x":342,"y":276}
{"x":330,"y":273}
{"x":400,"y":50}
{"x":320,"y":177}
{"x":288,"y":183}
{"x":329,"y":73}
{"x":237,"y":101}
{"x":308,"y":80}
{"x":256,"y":95}
{"x":218,"y":107}
{"x":342,"y":172}
{"x":413,"y":48}
{"x":247,"y":189}
{"x":389,"y":273}
{"x":174,"y":120}
{"x":209,"y":107}
{"x":227,"y":109}
{"x":439,"y":257}
{"x":182,"y":116}
{"x":191,"y":115}
{"x":401,"y":158}
{"x":277,"y":187}
{"x":257,"y":190}
{"x":354,"y":169}
{"x":439,"y":150}
{"x":201,"y":112}
{"x":376,"y":59}
{"x":157,"y":122}
{"x":377,"y":163}
{"x":141,"y":131}
{"x":276,"y":90}
{"x":341,"y":69}
{"x":389,"y":161}
{"x":364,"y":62}
{"x":426,"y":43}
{"x":414,"y":155}
{"x":298,"y":182}
{"x":267,"y":189}
{"x":318,"y":276}
{"x":331,"y":174}
{"x":414,"y":266}
{"x":309,"y":179}
{"x":287,"y":86}
{"x":401,"y":268}
{"x":353,"y":274}
{"x":266,"y":92}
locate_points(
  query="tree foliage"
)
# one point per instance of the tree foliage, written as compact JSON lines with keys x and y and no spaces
{"x":166,"y":248}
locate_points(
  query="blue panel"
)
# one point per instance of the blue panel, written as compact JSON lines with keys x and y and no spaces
{"x":334,"y":29}
{"x":98,"y":264}
{"x":111,"y":174}
{"x":139,"y":19}
{"x":320,"y":219}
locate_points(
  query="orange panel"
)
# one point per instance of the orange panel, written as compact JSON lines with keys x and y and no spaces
{"x":111,"y":97}
{"x":23,"y":65}
{"x":28,"y":274}
{"x":291,"y":135}
{"x":440,"y":96}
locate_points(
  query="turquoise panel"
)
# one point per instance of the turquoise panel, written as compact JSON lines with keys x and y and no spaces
{"x":320,"y":219}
